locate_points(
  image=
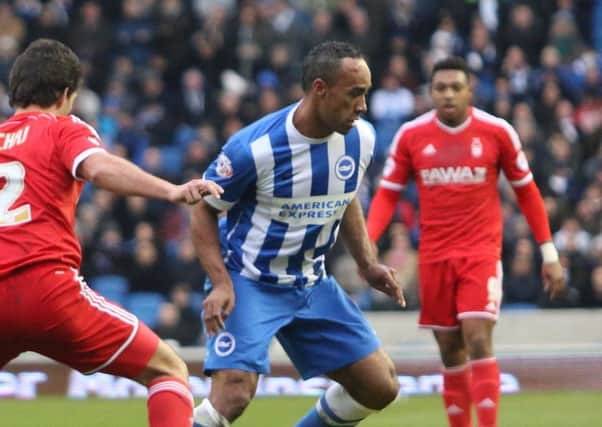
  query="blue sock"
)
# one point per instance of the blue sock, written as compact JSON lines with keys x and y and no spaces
{"x":312,"y":419}
{"x":195,"y":424}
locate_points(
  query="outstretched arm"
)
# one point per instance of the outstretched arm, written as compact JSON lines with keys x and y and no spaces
{"x":120,"y":176}
{"x":355,"y":236}
{"x":205,"y":237}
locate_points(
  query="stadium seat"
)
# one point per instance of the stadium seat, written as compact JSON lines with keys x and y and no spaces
{"x":145,"y":305}
{"x":196,"y":301}
{"x":171,"y":160}
{"x":111,"y":286}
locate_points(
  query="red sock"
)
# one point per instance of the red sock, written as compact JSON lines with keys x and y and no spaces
{"x":456,"y":395}
{"x":169,"y":403}
{"x":486,"y":390}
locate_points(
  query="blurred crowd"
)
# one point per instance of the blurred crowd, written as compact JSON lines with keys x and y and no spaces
{"x":168,"y":81}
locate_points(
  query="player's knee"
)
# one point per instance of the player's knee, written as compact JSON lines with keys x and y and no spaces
{"x":232,"y":394}
{"x":175,"y":367}
{"x":393,"y":384}
{"x":237,"y":403}
{"x":383,"y":390}
{"x":389,"y":388}
{"x":165,"y":362}
{"x":479,"y":346}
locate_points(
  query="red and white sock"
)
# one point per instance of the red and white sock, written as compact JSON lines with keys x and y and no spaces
{"x":456,"y":395}
{"x":486,"y":390}
{"x":169,"y":403}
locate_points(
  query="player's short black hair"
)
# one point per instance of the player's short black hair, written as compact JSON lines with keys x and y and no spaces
{"x":324,"y":61}
{"x":42,"y":72}
{"x":451,"y":63}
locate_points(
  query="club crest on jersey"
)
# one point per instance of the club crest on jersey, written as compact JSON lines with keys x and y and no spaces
{"x":224,"y":166}
{"x":344,"y":167}
{"x":476,"y":147}
{"x":224,"y":344}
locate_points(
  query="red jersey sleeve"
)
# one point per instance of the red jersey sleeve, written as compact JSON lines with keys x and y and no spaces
{"x":516,"y":168}
{"x":76,"y":140}
{"x":396,"y":175}
{"x":512,"y":157}
{"x":398,"y":166}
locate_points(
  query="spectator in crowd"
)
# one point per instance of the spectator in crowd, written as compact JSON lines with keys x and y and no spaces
{"x":178,"y":320}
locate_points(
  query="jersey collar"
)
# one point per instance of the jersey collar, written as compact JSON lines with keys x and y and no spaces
{"x":455,"y":129}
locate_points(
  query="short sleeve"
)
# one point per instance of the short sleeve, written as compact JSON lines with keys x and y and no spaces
{"x":396,"y":172}
{"x":512,"y":157}
{"x":234,"y":170}
{"x":76,"y":140}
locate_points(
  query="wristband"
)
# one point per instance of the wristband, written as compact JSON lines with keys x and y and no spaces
{"x":548,"y":252}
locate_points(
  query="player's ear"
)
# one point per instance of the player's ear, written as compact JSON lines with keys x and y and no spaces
{"x":63,"y":99}
{"x":319,"y":86}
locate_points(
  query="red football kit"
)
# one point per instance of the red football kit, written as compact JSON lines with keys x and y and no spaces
{"x":456,"y":171}
{"x":45,"y":306}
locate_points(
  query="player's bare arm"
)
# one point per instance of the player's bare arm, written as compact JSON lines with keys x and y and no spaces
{"x":355,"y":236}
{"x":123,"y":177}
{"x":205,"y":237}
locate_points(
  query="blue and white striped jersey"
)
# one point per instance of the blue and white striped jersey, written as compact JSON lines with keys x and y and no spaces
{"x":285,"y":195}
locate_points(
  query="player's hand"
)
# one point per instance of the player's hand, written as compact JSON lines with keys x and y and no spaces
{"x":217,"y":307}
{"x":193,"y":191}
{"x":383,"y":278}
{"x":553,"y":279}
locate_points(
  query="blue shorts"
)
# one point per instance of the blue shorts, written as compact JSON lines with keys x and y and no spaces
{"x":319,"y":327}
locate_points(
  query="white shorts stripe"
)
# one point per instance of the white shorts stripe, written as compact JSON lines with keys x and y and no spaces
{"x":477,"y":315}
{"x":103,"y":305}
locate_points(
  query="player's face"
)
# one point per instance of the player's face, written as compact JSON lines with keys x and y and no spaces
{"x":344,"y":100}
{"x":451,"y":93}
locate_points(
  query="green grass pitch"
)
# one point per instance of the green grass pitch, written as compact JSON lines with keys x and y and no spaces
{"x":522,"y":410}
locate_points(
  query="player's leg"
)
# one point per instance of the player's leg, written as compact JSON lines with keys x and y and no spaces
{"x":231,"y":392}
{"x":438,"y":312}
{"x":479,"y":297}
{"x":362,"y":388}
{"x":236,"y":356}
{"x":456,"y":377}
{"x":330,"y":336}
{"x":170,"y":401}
{"x":11,"y":319}
{"x":484,"y":369}
{"x":83,"y":330}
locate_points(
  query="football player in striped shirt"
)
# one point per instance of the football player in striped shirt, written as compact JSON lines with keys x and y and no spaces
{"x":290,"y":181}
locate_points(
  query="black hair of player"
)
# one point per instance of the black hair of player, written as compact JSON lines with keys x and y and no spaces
{"x":41,"y":74}
{"x":451,"y":63}
{"x":324,"y":61}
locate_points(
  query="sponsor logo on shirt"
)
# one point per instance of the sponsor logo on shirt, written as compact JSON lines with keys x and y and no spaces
{"x":453,"y":175}
{"x":224,"y":166}
{"x":312,"y":209}
{"x":344,"y":167}
{"x":224,"y":344}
